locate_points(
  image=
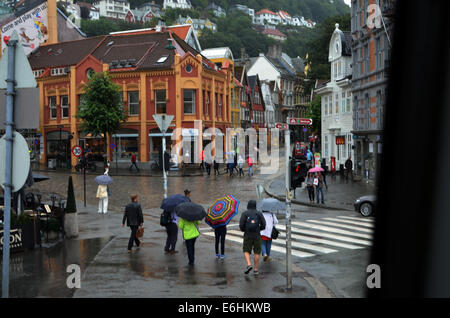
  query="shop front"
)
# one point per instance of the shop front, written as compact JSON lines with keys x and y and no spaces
{"x":126,"y":143}
{"x":58,"y":149}
{"x":155,"y":140}
{"x":94,"y":146}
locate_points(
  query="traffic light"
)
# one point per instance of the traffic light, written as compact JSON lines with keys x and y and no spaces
{"x":299,"y":170}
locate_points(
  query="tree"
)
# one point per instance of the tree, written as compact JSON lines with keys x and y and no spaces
{"x":101,"y":109}
{"x":71,"y":206}
{"x":315,"y":113}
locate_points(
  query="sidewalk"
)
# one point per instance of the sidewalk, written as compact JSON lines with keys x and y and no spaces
{"x":339,"y":195}
{"x":107,"y":270}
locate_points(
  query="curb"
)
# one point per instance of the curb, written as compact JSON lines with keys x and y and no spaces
{"x":283,"y":198}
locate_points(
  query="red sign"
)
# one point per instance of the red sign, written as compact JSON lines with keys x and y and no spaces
{"x":77,"y":151}
{"x":300,"y":121}
{"x":282,"y":126}
{"x":340,"y":140}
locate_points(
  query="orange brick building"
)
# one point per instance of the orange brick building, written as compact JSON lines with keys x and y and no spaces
{"x":153,"y":80}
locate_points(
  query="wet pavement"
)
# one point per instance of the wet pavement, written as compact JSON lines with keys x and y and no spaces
{"x":109,"y":271}
{"x":339,"y":194}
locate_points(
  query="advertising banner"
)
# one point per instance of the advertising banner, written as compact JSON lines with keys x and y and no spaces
{"x":32,"y":28}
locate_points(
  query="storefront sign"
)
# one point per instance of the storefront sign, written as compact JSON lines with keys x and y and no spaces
{"x":340,"y":140}
{"x":15,"y":240}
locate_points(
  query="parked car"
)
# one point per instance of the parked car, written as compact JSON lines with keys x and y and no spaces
{"x":366,"y":205}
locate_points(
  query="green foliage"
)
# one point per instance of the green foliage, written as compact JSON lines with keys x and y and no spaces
{"x":20,"y":220}
{"x":315,"y":113}
{"x":71,"y":206}
{"x":104,"y":26}
{"x":102,"y":109}
{"x":236,"y":31}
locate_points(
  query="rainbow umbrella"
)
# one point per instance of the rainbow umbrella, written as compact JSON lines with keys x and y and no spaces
{"x":222,"y":211}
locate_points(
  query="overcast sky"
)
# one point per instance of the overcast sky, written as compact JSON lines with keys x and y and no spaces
{"x":348,"y":2}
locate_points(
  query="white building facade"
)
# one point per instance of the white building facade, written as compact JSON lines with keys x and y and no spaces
{"x":116,"y":9}
{"x":177,"y":4}
{"x":337,"y":108}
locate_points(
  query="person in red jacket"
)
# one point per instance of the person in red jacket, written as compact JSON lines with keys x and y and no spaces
{"x":133,"y":162}
{"x":250,"y":166}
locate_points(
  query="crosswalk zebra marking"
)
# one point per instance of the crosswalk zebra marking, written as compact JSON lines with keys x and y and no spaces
{"x":357,"y":219}
{"x":332,"y":236}
{"x":304,"y":246}
{"x":369,"y":225}
{"x":342,"y":225}
{"x":239,"y":239}
{"x":318,"y":240}
{"x":333,"y":230}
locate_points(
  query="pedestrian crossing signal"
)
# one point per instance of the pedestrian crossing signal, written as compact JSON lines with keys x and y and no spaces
{"x":298,"y":173}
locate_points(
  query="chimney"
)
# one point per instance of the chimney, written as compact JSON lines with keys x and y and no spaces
{"x":275,"y":51}
{"x":243,"y":54}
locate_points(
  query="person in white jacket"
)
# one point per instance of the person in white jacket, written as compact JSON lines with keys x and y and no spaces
{"x":266,"y":234}
{"x":102,"y":195}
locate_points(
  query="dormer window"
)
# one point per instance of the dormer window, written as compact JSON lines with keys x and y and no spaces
{"x":162,"y":59}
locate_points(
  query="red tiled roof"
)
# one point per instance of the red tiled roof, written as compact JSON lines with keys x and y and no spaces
{"x":263,"y":11}
{"x":180,"y":30}
{"x":284,"y":13}
{"x":273,"y":32}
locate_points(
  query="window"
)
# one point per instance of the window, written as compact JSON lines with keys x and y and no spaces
{"x":52,"y":105}
{"x":64,"y":106}
{"x":189,"y":101}
{"x":326,"y":105}
{"x":162,"y":59}
{"x":219,"y":111}
{"x":207,"y":104}
{"x":349,"y":94}
{"x":337,"y":103}
{"x":366,"y":59}
{"x":133,"y":103}
{"x":343,"y":99}
{"x":160,"y":101}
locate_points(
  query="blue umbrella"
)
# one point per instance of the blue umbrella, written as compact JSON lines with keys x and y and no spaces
{"x":169,"y":203}
{"x":104,"y":179}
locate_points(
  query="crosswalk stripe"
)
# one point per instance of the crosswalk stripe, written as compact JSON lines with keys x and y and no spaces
{"x":239,"y":239}
{"x":331,"y":229}
{"x":308,"y":247}
{"x":342,"y":225}
{"x":333,"y":236}
{"x":317,"y":240}
{"x":350,"y":222}
{"x":368,"y":220}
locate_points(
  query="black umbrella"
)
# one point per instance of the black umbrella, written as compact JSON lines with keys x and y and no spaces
{"x":169,"y":203}
{"x":190,"y":211}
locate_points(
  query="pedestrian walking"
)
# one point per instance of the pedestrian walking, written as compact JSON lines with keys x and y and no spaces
{"x":220,"y":234}
{"x":319,"y":187}
{"x":266,"y":234}
{"x":250,"y":166}
{"x":230,"y":165}
{"x":208,"y":167}
{"x":190,"y":234}
{"x":309,"y":157}
{"x":216,"y":167}
{"x":172,"y":234}
{"x":324,"y":173}
{"x":251,"y":223}
{"x":235,"y":164}
{"x":241,"y":166}
{"x":102,"y":195}
{"x":133,"y":162}
{"x":348,"y":169}
{"x":135,"y":219}
{"x":310,"y":187}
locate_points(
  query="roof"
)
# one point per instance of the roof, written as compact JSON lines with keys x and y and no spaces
{"x":263,"y":11}
{"x":143,"y":49}
{"x":217,"y":53}
{"x":299,"y":64}
{"x":63,"y":53}
{"x":282,"y":14}
{"x":274,"y":32}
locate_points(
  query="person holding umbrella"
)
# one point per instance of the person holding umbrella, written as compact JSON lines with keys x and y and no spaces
{"x":251,"y":223}
{"x":268,"y":207}
{"x":103,"y":192}
{"x":171,"y":224}
{"x":190,"y":215}
{"x":219,"y":215}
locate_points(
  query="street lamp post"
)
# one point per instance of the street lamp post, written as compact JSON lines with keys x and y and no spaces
{"x":287,"y":137}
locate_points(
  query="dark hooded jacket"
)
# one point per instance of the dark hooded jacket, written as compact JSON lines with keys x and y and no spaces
{"x":251,"y":210}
